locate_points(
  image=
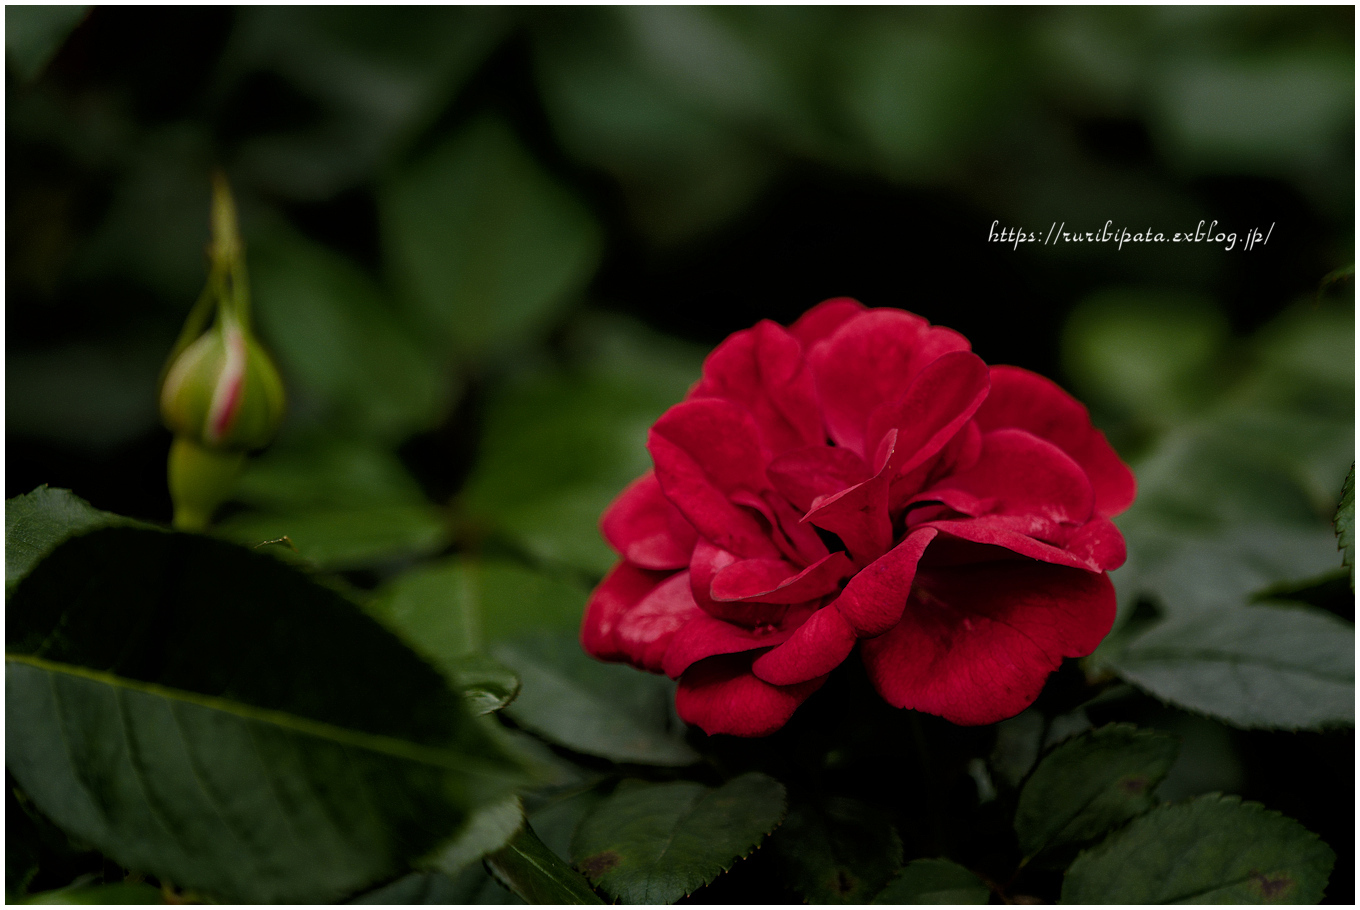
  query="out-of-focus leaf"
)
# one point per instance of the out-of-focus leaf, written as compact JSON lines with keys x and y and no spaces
{"x":486,"y":685}
{"x":934,"y":881}
{"x":21,"y":846}
{"x":1148,"y":353}
{"x":1209,"y":759}
{"x":1091,"y":784}
{"x":36,"y":522}
{"x":607,"y":710}
{"x":1279,"y":667}
{"x":121,"y":893}
{"x":455,"y":607}
{"x":472,"y":885}
{"x":346,"y":538}
{"x":556,"y":821}
{"x":349,"y":357}
{"x":1211,"y":850}
{"x":372,"y":78}
{"x":33,"y":34}
{"x":212,"y":717}
{"x":560,"y":445}
{"x":486,"y":246}
{"x":1270,"y":113}
{"x":656,"y":843}
{"x":1345,"y":524}
{"x":487,"y":830}
{"x":325,"y":472}
{"x":536,"y":874}
{"x":837,"y":852}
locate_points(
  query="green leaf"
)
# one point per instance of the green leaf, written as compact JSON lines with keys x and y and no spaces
{"x":536,"y":874}
{"x":346,"y":349}
{"x":841,"y":851}
{"x":1090,"y":784}
{"x":211,"y":716}
{"x":122,"y":893}
{"x":486,"y":245}
{"x":36,"y":522}
{"x":489,"y":829}
{"x":486,"y":685}
{"x":21,"y":846}
{"x":1345,"y":524}
{"x":656,"y":843}
{"x":934,"y":881}
{"x":606,"y":710}
{"x":561,"y":444}
{"x":1211,"y":850}
{"x":473,"y":885}
{"x":342,"y":538}
{"x":297,"y":475}
{"x":33,"y":35}
{"x":1282,"y":667}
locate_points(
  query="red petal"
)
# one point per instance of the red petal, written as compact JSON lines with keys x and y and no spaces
{"x":721,"y":695}
{"x":823,"y":319}
{"x":939,"y":401}
{"x":762,"y":369}
{"x":1014,"y":533}
{"x":621,"y":590}
{"x":643,"y":632}
{"x":705,"y":450}
{"x":976,"y":643}
{"x":1022,"y":475}
{"x":646,"y":529}
{"x":1099,"y":543}
{"x":802,"y":475}
{"x":873,"y":600}
{"x":710,"y":560}
{"x":780,"y":582}
{"x":707,"y":636}
{"x":1030,"y":402}
{"x":815,"y":649}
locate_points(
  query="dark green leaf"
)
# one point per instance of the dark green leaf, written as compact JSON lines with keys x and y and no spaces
{"x":323,"y":472}
{"x":656,"y":843}
{"x":934,"y":881}
{"x":343,"y":538}
{"x":472,"y":885}
{"x":561,"y":444}
{"x":33,"y":34}
{"x":839,"y":852}
{"x":486,"y":245}
{"x":1211,"y":850}
{"x":608,"y":710}
{"x":210,"y":716}
{"x":1283,"y":667}
{"x":489,"y":829}
{"x":36,"y":522}
{"x":1345,"y":524}
{"x":123,"y":893}
{"x":486,"y":685}
{"x":536,"y":874}
{"x":1090,"y":784}
{"x":21,"y":846}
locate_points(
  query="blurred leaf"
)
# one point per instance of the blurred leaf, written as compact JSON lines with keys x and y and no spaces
{"x":1211,"y":850}
{"x":934,"y":881}
{"x":337,"y":539}
{"x":656,"y":843}
{"x":840,"y":851}
{"x":556,"y":822}
{"x":1209,"y":759}
{"x":321,"y":472}
{"x":455,"y":607}
{"x":1306,"y":363}
{"x":485,"y":244}
{"x":33,"y":34}
{"x":1345,"y":524}
{"x":370,"y":78}
{"x":121,"y":893}
{"x":1264,"y":114}
{"x":22,"y":855}
{"x":489,"y":829}
{"x":348,"y":356}
{"x":534,"y":873}
{"x":486,"y":685}
{"x":607,"y":710}
{"x":210,"y":716}
{"x":560,"y":445}
{"x":36,"y":522}
{"x":1148,"y":353}
{"x":472,"y":885}
{"x":1279,"y":667}
{"x":1090,"y":784}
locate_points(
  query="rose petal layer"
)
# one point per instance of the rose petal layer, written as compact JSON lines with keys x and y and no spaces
{"x":722,"y":695}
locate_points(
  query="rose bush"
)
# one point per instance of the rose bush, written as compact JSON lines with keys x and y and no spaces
{"x":861,"y":478}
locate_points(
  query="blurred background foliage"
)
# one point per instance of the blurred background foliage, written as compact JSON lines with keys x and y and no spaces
{"x":489,"y":246}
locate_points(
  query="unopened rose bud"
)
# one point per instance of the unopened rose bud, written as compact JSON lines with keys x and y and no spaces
{"x":223,"y":391}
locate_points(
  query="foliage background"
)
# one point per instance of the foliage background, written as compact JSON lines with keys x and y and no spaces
{"x":490,"y":245}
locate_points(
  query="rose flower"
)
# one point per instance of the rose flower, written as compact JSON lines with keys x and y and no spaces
{"x":861,"y":478}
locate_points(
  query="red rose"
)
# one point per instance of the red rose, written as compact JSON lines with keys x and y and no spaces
{"x":862,"y":477}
